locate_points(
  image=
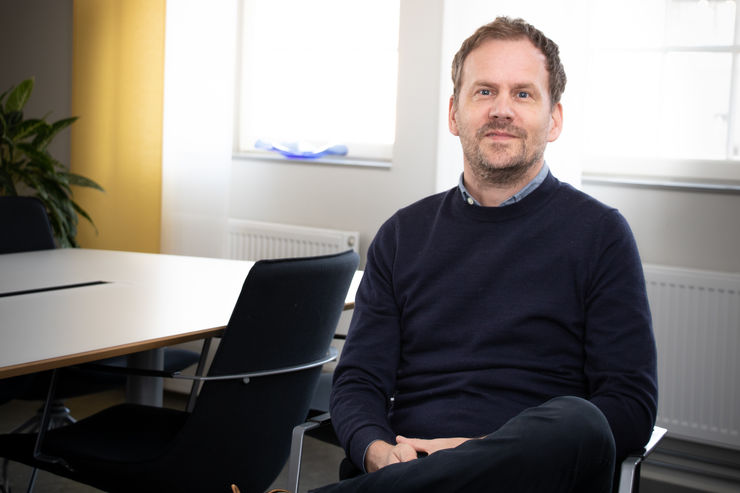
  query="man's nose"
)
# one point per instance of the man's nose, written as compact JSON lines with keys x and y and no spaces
{"x":501,"y":109}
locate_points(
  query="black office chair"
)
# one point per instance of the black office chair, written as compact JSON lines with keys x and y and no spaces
{"x":24,"y":224}
{"x":259,"y":386}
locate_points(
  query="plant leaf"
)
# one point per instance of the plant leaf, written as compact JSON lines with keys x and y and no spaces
{"x":7,"y":186}
{"x":62,"y":124}
{"x":2,"y":96}
{"x":47,"y":133}
{"x":84,"y":214}
{"x":19,"y":96}
{"x":37,"y":158}
{"x":42,"y":139}
{"x":81,"y":181}
{"x":25,"y":128}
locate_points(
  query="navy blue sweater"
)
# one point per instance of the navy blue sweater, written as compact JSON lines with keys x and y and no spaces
{"x":468,"y":315}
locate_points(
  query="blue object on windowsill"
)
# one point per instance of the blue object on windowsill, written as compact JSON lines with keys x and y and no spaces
{"x":302,"y":150}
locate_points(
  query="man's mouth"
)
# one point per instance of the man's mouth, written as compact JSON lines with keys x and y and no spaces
{"x":499,"y":134}
{"x":503,"y":135}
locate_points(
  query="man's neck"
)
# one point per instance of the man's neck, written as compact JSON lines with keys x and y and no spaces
{"x":493,"y":194}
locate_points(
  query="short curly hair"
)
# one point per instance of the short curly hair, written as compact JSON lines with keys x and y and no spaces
{"x":509,"y":29}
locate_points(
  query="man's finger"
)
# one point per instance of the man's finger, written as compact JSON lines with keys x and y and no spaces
{"x":405,"y":452}
{"x":415,"y":443}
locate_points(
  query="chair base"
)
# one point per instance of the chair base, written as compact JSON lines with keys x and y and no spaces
{"x":59,"y":416}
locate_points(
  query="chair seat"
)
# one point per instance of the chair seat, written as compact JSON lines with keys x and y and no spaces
{"x":140,"y":433}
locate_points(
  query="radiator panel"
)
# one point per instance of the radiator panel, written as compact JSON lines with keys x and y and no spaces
{"x":256,"y":240}
{"x":696,"y":317}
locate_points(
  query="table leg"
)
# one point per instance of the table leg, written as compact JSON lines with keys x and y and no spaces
{"x":145,"y":390}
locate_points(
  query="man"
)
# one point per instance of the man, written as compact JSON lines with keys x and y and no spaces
{"x":502,"y":338}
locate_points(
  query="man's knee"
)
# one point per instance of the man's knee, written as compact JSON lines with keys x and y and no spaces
{"x":575,"y":413}
{"x":563,"y":427}
{"x":581,"y":425}
{"x":565,"y":441}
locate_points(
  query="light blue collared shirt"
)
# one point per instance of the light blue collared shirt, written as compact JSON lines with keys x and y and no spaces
{"x":528,"y":188}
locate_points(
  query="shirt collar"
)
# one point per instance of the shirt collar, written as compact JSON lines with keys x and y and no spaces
{"x":528,"y":188}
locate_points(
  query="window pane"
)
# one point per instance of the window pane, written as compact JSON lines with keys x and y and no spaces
{"x":700,"y":22}
{"x":628,"y":23}
{"x":623,"y":104}
{"x":661,"y":79}
{"x":696,"y":101}
{"x":322,"y":71}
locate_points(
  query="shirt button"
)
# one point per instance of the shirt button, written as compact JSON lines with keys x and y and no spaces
{"x":471,"y":201}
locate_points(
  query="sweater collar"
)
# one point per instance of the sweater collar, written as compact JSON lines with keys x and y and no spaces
{"x":526,"y":190}
{"x":533,"y":200}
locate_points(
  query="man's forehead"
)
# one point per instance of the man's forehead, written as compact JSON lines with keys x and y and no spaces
{"x":505,"y":56}
{"x":519,"y":48}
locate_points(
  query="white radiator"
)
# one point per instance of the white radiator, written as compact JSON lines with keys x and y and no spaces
{"x":696,"y":317}
{"x":255,"y":240}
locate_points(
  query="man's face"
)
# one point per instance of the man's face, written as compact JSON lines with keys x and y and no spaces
{"x":503,"y":115}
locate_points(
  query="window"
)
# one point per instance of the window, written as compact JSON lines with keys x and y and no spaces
{"x":319,"y":73}
{"x":664,"y":88}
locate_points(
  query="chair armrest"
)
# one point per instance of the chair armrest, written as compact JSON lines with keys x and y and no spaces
{"x":630,"y":466}
{"x":296,"y":447}
{"x":330,"y":356}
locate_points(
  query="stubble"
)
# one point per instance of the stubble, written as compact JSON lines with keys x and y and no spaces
{"x":501,"y":164}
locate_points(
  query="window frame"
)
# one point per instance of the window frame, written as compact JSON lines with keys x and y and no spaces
{"x":379,"y":155}
{"x":695,"y":173}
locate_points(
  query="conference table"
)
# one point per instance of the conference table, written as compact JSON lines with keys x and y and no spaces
{"x":70,"y":306}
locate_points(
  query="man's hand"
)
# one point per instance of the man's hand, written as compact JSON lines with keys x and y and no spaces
{"x":430,"y":446}
{"x":380,"y":454}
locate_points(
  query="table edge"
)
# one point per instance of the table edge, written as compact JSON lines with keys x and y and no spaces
{"x":88,"y":356}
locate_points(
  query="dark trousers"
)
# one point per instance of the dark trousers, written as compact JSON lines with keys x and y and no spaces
{"x":564,"y":445}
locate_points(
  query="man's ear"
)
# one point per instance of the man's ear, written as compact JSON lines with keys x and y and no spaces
{"x":556,"y":122}
{"x":451,"y":117}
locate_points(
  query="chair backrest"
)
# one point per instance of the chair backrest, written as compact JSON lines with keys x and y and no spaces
{"x":286,"y":315}
{"x":24,"y":225}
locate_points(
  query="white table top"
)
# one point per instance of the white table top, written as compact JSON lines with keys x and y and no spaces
{"x":147,"y":301}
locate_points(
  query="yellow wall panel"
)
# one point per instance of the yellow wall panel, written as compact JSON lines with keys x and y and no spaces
{"x":117,"y":91}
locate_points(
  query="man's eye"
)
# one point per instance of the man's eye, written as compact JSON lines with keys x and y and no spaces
{"x":523,"y":94}
{"x":485,"y":92}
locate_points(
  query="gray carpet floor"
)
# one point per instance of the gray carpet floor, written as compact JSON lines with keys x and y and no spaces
{"x":320,"y":460}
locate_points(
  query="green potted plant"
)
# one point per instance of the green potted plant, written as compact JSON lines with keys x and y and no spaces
{"x":27,"y":168}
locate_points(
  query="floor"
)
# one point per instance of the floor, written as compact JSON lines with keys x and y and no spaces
{"x":320,"y":460}
{"x":320,"y":463}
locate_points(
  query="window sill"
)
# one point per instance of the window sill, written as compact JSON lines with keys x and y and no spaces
{"x":660,"y":183}
{"x":705,"y":173}
{"x":324,"y":160}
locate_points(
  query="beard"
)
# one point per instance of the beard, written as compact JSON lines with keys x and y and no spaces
{"x":499,"y":163}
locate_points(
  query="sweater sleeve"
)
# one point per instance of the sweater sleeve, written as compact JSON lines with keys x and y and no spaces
{"x":365,"y":375}
{"x":620,"y":363}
